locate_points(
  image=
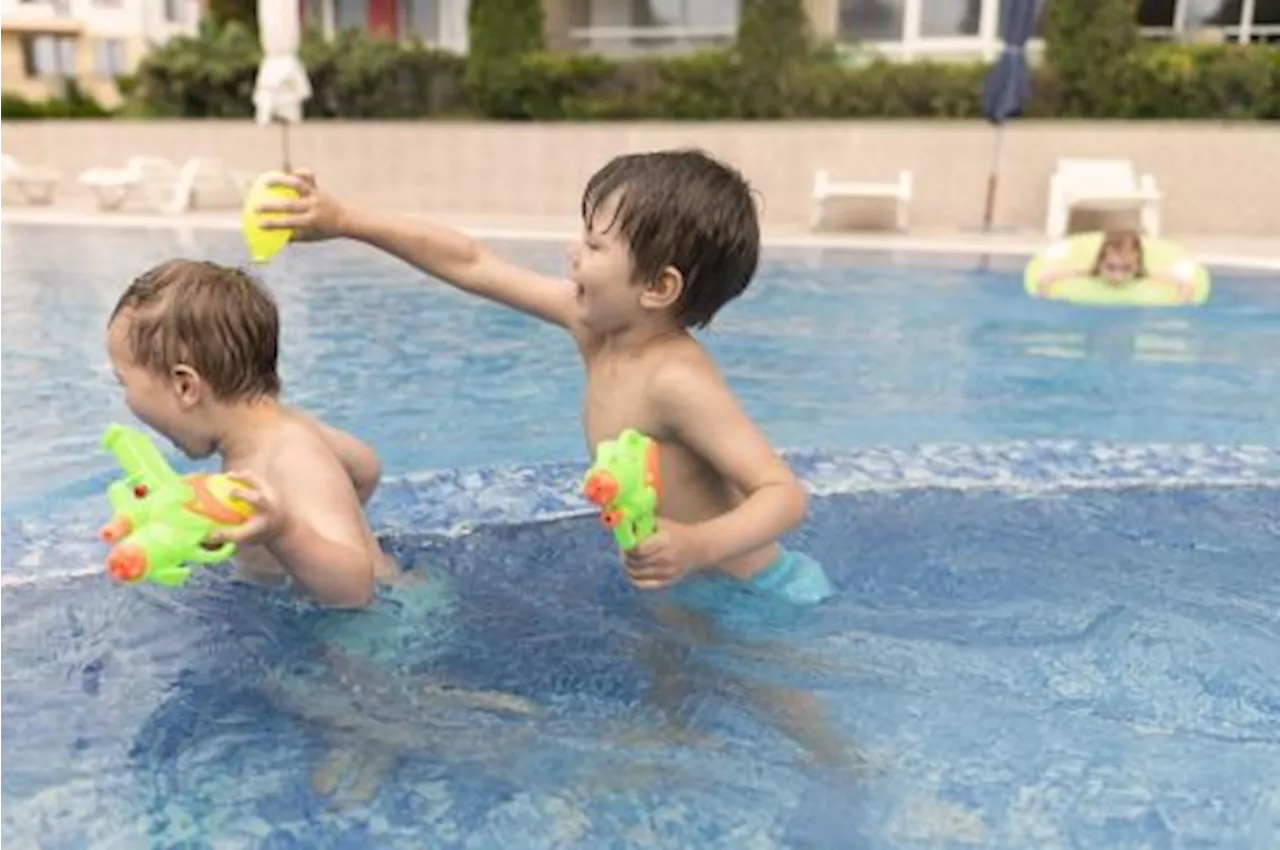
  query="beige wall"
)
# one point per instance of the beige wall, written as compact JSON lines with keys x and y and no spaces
{"x":1219,"y":179}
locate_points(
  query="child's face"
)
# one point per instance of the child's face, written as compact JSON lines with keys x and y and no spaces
{"x":600,"y":264}
{"x":1118,"y":265}
{"x":167,"y":403}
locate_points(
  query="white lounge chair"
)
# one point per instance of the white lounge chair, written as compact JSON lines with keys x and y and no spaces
{"x":162,"y":186}
{"x":37,"y":183}
{"x":826,"y":191}
{"x":1101,"y":184}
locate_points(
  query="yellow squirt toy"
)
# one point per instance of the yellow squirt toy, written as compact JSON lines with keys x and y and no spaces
{"x":264,"y":244}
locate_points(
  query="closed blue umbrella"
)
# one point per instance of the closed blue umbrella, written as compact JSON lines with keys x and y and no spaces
{"x":1005,"y":90}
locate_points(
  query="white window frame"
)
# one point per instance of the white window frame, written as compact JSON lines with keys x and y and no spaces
{"x":987,"y":44}
{"x":677,"y":37}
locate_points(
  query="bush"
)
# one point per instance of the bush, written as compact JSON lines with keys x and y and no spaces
{"x":358,"y":77}
{"x":73,"y":104}
{"x":354,"y":76}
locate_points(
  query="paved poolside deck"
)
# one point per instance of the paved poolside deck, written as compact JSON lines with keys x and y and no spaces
{"x":1215,"y":250}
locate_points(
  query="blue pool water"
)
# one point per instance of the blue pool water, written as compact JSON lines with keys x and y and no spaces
{"x":1054,"y":532}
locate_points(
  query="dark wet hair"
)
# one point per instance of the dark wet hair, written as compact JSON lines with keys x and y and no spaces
{"x":1124,"y":240}
{"x":682,"y":208}
{"x":218,"y":320}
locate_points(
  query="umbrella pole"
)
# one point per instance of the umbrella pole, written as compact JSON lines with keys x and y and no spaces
{"x":284,"y":144}
{"x":988,"y":213}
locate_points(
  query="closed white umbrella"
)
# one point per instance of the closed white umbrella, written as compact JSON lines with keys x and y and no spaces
{"x":282,"y":84}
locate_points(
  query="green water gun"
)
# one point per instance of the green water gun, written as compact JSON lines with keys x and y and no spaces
{"x":624,"y":482}
{"x":160,"y":519}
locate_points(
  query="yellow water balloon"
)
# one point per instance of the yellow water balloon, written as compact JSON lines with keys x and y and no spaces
{"x":264,"y":244}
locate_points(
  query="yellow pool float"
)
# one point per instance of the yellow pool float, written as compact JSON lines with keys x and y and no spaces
{"x":1167,"y":264}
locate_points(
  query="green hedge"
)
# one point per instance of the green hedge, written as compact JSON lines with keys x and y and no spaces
{"x":353,"y":76}
{"x":357,"y":77}
{"x":74,"y":104}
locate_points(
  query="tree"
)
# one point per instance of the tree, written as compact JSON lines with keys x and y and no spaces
{"x":774,"y":46}
{"x":501,"y":34}
{"x":1090,"y":46}
{"x":244,"y":12}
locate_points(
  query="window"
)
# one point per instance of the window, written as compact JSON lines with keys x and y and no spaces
{"x":350,"y":14}
{"x":871,"y":20}
{"x":948,"y":18}
{"x":174,"y":11}
{"x":1157,"y":14}
{"x":48,"y":56}
{"x":1211,"y":13}
{"x":110,"y":58}
{"x":632,"y":26}
{"x":421,"y":18}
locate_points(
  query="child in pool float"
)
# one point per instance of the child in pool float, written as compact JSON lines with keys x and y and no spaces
{"x":668,"y":239}
{"x":194,"y":345}
{"x":1120,"y":262}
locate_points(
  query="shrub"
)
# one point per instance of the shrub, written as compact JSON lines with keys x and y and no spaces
{"x":74,"y":103}
{"x":355,"y":76}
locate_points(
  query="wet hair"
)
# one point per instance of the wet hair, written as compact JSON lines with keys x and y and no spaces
{"x":682,"y":208}
{"x":220,"y":321}
{"x":1121,"y":240}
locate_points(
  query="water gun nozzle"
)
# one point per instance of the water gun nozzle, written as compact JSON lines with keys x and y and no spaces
{"x":127,"y":564}
{"x":116,"y":530}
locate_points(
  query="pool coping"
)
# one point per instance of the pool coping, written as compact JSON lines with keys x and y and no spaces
{"x":975,"y":244}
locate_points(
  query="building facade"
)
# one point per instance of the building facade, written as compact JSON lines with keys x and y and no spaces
{"x":439,"y":23}
{"x":45,"y":43}
{"x":905,"y":29}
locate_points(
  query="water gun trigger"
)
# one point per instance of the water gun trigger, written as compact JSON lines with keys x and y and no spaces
{"x":203,"y":554}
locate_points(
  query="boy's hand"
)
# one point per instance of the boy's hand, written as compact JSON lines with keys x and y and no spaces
{"x":664,"y":558}
{"x":312,"y":216}
{"x":268,"y":518}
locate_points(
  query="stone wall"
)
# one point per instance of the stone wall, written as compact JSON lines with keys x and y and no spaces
{"x":1218,"y":179}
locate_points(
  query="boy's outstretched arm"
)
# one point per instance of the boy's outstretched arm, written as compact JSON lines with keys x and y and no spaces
{"x":703,"y":414}
{"x":439,"y":251}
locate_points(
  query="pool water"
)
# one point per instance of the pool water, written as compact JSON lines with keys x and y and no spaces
{"x":1053,"y":531}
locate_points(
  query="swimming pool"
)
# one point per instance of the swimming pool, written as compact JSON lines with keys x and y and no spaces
{"x":1054,"y":531}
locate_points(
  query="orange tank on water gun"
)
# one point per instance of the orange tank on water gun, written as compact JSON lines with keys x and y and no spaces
{"x":160,"y":519}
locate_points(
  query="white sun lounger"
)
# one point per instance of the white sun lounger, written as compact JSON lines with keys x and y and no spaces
{"x":37,"y":183}
{"x":828,"y":192}
{"x":1101,"y":184}
{"x":162,"y":186}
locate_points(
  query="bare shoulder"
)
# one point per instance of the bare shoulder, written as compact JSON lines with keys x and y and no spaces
{"x":682,"y":367}
{"x":303,"y":457}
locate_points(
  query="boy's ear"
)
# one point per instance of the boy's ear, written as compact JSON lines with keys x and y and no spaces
{"x":665,"y":291}
{"x":187,"y":384}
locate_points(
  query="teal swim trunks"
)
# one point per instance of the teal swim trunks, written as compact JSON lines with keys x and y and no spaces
{"x":407,"y":623}
{"x":793,"y":577}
